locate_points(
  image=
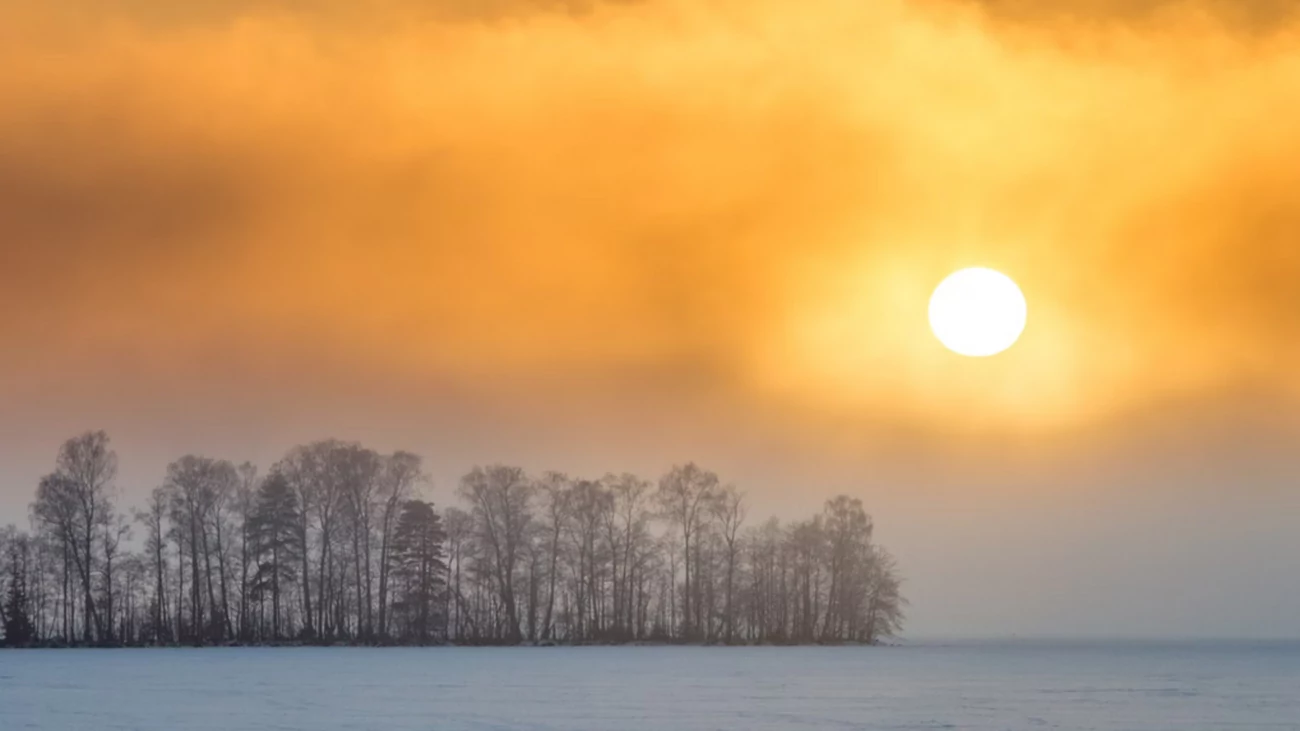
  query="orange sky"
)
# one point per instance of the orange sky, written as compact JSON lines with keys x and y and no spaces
{"x":594,"y":235}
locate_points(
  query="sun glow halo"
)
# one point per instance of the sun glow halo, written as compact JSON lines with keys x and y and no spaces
{"x":978,"y":312}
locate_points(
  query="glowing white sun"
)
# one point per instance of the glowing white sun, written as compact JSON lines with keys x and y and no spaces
{"x":978,"y":312}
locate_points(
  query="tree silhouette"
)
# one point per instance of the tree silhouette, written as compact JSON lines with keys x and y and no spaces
{"x":336,"y":543}
{"x":418,"y":570}
{"x":276,"y":546}
{"x":19,"y":631}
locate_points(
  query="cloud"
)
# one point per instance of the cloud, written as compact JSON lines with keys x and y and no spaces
{"x":749,"y":198}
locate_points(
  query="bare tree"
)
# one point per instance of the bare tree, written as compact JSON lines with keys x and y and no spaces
{"x":627,"y":529}
{"x":197,"y":489}
{"x":685,"y":494}
{"x":554,"y":491}
{"x":153,"y":517}
{"x":244,"y":504}
{"x":848,"y":536}
{"x":113,"y":530}
{"x":501,"y":502}
{"x":588,"y":503}
{"x":305,"y":471}
{"x":459,"y":528}
{"x":359,"y":471}
{"x":884,"y":599}
{"x":729,"y":511}
{"x":74,"y":503}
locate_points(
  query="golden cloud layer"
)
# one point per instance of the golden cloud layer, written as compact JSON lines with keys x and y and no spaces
{"x":749,"y":196}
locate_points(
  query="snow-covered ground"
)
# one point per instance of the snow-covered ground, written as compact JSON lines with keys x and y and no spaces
{"x":1183,"y":687}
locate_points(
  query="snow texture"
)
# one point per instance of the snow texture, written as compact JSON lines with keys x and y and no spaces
{"x":1077,"y":686}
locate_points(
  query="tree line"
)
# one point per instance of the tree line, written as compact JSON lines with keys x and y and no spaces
{"x":335,"y":544}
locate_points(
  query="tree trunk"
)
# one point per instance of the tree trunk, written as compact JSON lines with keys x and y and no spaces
{"x":306,"y":575}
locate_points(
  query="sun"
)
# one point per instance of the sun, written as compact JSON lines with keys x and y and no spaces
{"x":978,"y":312}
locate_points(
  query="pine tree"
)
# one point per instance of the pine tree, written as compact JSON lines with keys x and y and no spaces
{"x":18,"y":628}
{"x":418,"y":569}
{"x":276,"y":545}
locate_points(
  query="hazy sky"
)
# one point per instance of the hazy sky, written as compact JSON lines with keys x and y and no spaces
{"x":597,"y":236}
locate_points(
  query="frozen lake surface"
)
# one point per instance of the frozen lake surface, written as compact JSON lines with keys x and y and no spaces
{"x":1039,"y":685}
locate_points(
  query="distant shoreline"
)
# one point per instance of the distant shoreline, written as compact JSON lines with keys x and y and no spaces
{"x":432,"y":645}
